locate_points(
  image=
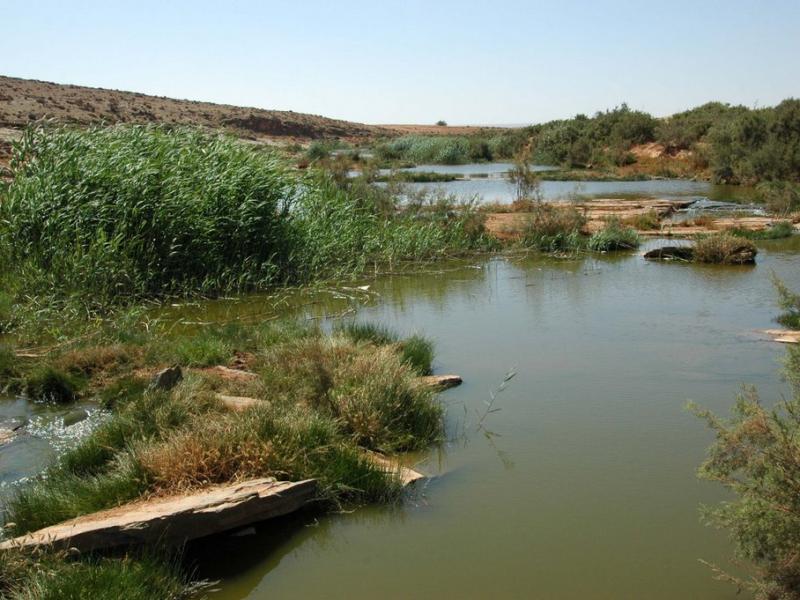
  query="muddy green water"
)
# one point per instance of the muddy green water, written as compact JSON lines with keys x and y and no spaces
{"x":588,"y":489}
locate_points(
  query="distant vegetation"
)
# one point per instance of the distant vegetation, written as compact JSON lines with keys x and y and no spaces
{"x":450,"y":150}
{"x":729,"y":144}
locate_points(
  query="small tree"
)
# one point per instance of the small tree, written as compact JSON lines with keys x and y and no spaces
{"x":441,"y":123}
{"x":525,"y":180}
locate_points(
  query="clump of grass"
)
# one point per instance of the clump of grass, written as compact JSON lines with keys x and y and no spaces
{"x":92,"y":359}
{"x":379,"y":335}
{"x":132,"y":578}
{"x":645,"y":221}
{"x":724,"y":248}
{"x":8,"y":365}
{"x":122,"y":391}
{"x":326,"y":399}
{"x":614,"y":236}
{"x":789,"y":302}
{"x":64,"y":495}
{"x":201,"y":351}
{"x":417,"y":352}
{"x":779,"y":230}
{"x":50,"y":384}
{"x":554,"y":228}
{"x":374,"y":395}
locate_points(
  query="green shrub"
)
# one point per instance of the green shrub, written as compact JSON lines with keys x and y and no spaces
{"x":380,"y":335}
{"x":614,"y":236}
{"x":779,"y":230}
{"x":417,"y":352}
{"x":781,"y":198}
{"x":145,"y":211}
{"x":554,"y":228}
{"x":47,"y":383}
{"x":8,"y":365}
{"x":789,"y":302}
{"x":756,"y":455}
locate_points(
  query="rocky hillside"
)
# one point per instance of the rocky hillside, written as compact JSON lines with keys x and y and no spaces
{"x":24,"y":100}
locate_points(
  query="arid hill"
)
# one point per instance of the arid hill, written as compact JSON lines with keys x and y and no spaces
{"x":24,"y":100}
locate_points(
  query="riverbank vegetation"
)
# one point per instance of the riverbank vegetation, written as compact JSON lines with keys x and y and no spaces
{"x":716,"y":141}
{"x":148,"y":212}
{"x":321,"y":403}
{"x":95,"y":225}
{"x":756,"y":456}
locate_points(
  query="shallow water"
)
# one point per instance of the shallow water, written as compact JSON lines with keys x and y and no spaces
{"x":42,"y":434}
{"x":588,"y":489}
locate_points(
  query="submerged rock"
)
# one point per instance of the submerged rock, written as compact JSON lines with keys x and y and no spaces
{"x":167,"y":379}
{"x":75,"y":416}
{"x":685,"y":253}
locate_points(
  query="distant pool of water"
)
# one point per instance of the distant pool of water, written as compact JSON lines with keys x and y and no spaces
{"x":497,"y":189}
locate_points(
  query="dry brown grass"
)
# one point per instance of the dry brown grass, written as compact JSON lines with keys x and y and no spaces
{"x":724,"y":248}
{"x":214,"y":450}
{"x":93,"y":360}
{"x":646,"y":221}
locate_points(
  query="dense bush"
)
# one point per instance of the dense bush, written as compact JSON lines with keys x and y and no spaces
{"x":554,"y":228}
{"x":451,"y":150}
{"x":581,"y":141}
{"x":110,"y":215}
{"x":614,"y":236}
{"x":142,"y":211}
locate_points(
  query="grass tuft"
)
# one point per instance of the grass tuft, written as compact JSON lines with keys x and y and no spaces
{"x":417,"y":352}
{"x":554,"y":228}
{"x":724,"y":248}
{"x":614,"y":236}
{"x":52,"y":385}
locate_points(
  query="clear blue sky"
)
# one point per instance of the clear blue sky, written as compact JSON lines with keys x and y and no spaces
{"x":500,"y":62}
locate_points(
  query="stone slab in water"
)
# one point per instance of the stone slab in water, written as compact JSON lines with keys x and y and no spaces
{"x":175,"y":520}
{"x":440,"y":381}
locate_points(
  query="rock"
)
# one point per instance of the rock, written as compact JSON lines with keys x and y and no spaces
{"x":75,"y":416}
{"x":238,"y":403}
{"x":175,"y":520}
{"x":784,"y":336}
{"x":684,"y":253}
{"x":232,"y":374}
{"x":167,"y":379}
{"x":6,"y":436}
{"x":406,"y":475}
{"x":441,"y":382}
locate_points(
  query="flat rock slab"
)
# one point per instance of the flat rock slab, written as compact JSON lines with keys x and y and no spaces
{"x":230,"y":374}
{"x":406,"y":475}
{"x":441,"y":382}
{"x":175,"y":520}
{"x":238,"y":403}
{"x":784,"y":336}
